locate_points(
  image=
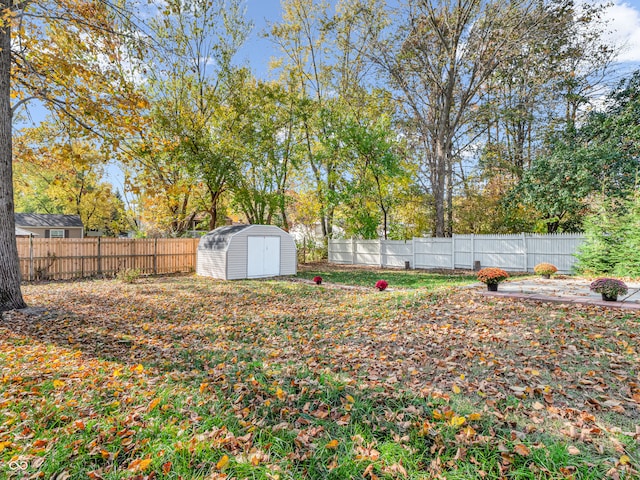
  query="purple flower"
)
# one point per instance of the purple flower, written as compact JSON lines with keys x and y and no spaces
{"x":611,"y":287}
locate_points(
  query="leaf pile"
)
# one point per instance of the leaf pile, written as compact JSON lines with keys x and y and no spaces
{"x":187,"y":377}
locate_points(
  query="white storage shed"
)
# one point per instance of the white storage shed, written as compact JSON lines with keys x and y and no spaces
{"x":246,"y":251}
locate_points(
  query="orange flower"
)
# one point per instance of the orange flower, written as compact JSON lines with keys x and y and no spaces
{"x":545,"y":269}
{"x":492,"y":275}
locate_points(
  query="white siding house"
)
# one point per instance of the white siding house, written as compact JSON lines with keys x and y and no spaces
{"x":246,"y":251}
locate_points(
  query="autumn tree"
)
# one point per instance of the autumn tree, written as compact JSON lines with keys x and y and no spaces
{"x":323,"y":59}
{"x":69,"y":55}
{"x":10,"y":294}
{"x":270,"y":151}
{"x":440,"y":57}
{"x":185,"y":161}
{"x":57,"y":171}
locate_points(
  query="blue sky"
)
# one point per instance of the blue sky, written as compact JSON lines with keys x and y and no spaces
{"x":257,"y":50}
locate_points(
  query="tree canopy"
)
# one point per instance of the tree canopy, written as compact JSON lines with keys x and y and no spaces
{"x":378,"y":120}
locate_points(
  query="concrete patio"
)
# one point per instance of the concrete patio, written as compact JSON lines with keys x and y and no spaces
{"x":563,"y":290}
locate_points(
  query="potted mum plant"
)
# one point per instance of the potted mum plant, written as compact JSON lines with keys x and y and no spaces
{"x":317,"y":280}
{"x":545,"y":270}
{"x":492,"y":277}
{"x":609,"y":288}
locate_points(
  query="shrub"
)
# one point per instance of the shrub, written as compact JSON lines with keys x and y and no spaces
{"x":545,"y":269}
{"x":611,"y":287}
{"x":598,"y":254}
{"x":317,"y":280}
{"x":492,"y":275}
{"x":128,"y":275}
{"x":381,"y":285}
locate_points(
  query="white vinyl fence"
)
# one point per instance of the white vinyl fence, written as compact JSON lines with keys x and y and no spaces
{"x":519,"y":252}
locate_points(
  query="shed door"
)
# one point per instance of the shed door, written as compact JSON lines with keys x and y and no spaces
{"x":263,"y":256}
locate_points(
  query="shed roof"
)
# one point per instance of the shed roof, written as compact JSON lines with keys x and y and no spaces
{"x":219,"y":238}
{"x":47,"y":220}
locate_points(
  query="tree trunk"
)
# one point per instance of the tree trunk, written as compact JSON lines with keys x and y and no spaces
{"x":438,"y":186}
{"x":449,"y":222}
{"x":213,"y":209}
{"x":10,"y":294}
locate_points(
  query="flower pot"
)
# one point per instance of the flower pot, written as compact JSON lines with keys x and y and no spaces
{"x":607,"y":298}
{"x":546,"y":276}
{"x":492,"y":287}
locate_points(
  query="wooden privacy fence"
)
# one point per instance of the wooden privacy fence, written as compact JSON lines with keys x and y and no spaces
{"x":62,"y":259}
{"x":519,"y":252}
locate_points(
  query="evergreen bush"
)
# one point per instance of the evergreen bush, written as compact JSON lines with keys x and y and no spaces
{"x":612,"y":244}
{"x":627,"y":255}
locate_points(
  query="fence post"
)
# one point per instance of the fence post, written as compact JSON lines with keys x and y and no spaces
{"x":380,"y":249}
{"x":525,"y":252}
{"x":473,"y":251}
{"x":31,"y":258}
{"x":413,"y":252}
{"x":99,"y":258}
{"x":155,"y":256}
{"x":353,"y":251}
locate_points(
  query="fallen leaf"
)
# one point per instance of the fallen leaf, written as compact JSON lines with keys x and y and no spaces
{"x":522,"y":450}
{"x":456,"y":421}
{"x":139,"y":465}
{"x":224,"y":460}
{"x":333,"y":444}
{"x":154,"y":403}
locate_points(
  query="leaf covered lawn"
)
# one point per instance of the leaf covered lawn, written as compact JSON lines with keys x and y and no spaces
{"x":193,"y":378}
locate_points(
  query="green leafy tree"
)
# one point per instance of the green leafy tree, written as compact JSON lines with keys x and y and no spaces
{"x":269,"y":152}
{"x":599,"y":158}
{"x":557,"y":186}
{"x":374,"y":165}
{"x":184,"y":162}
{"x":324,"y":62}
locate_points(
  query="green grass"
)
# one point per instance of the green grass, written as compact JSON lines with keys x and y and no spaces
{"x":396,"y":278}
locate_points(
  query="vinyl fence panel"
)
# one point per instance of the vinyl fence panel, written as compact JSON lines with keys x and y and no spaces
{"x":341,"y":251}
{"x":519,"y":252}
{"x":367,"y":252}
{"x":396,"y":252}
{"x":433,"y":252}
{"x":502,"y":251}
{"x":556,"y":249}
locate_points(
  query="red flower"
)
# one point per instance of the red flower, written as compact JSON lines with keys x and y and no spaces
{"x":317,"y":280}
{"x":381,"y":285}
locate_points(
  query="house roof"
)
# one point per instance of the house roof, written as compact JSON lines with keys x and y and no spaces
{"x":24,"y":233}
{"x":35,"y":220}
